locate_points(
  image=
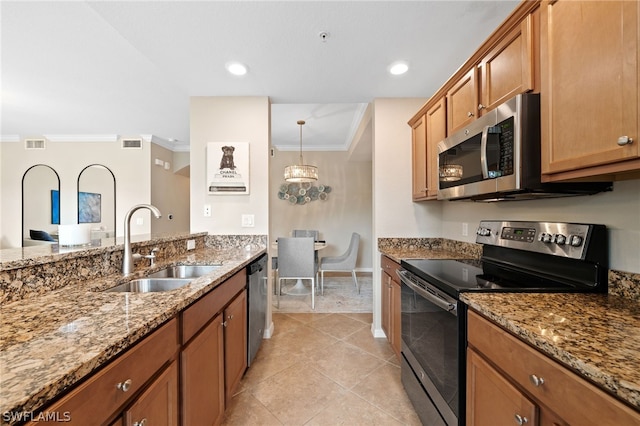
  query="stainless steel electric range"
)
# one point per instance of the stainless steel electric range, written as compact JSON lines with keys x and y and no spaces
{"x":516,"y":257}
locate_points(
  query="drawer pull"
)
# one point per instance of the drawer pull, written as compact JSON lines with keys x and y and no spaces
{"x":536,"y":381}
{"x":521,"y":420}
{"x":124,"y":386}
{"x":142,"y":422}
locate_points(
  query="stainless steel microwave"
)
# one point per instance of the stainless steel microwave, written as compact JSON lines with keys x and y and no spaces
{"x":497,"y":158}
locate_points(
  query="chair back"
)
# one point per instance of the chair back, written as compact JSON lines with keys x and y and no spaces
{"x":306,"y":233}
{"x":352,"y":252}
{"x":296,"y":257}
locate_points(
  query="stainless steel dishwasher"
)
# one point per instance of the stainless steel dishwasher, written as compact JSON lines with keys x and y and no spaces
{"x":257,"y":304}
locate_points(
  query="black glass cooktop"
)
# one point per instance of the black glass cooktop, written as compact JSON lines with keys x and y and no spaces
{"x":455,"y":276}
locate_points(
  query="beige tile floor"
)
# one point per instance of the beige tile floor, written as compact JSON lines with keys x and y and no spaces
{"x":322,"y":369}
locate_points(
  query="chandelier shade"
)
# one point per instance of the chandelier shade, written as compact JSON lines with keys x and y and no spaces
{"x":301,"y":172}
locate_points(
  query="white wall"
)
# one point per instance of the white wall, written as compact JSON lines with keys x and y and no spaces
{"x":619,"y":210}
{"x":394,"y":214}
{"x":130,"y":167}
{"x":230,"y":119}
{"x":169,"y":193}
{"x":346,"y":210}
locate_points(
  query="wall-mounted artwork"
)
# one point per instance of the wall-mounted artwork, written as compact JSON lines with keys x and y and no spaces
{"x":303,"y":193}
{"x":55,"y":207}
{"x":89,"y":207}
{"x":227,"y":168}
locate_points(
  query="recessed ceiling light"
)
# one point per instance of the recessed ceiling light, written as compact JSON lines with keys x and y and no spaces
{"x":236,"y":68}
{"x":398,"y":68}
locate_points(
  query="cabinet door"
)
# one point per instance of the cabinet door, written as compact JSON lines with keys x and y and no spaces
{"x":507,"y":70}
{"x":589,"y":77}
{"x":436,"y":118}
{"x":492,"y":400}
{"x":396,"y":319}
{"x":419,"y":159}
{"x":202,"y":379}
{"x":235,"y":342}
{"x":386,"y":304}
{"x":462,"y":102}
{"x":158,"y":404}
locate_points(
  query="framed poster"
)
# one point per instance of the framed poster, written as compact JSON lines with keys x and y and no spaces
{"x":228,"y":168}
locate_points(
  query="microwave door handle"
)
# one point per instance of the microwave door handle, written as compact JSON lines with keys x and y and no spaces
{"x":483,"y":153}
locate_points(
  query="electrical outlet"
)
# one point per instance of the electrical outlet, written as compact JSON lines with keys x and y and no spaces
{"x":465,"y":229}
{"x":191,"y":244}
{"x":207,"y":210}
{"x":248,"y":221}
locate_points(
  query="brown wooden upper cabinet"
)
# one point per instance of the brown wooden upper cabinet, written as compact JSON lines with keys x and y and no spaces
{"x":428,"y":130}
{"x":589,"y":77}
{"x":462,"y":102}
{"x":506,"y":70}
{"x":419,"y":159}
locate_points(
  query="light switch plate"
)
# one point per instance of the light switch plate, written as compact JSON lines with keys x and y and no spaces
{"x":248,"y":221}
{"x":191,"y":244}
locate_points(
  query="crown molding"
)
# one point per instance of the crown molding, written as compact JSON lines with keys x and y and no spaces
{"x":83,"y":138}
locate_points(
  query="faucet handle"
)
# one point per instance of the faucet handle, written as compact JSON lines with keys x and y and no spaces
{"x":154,"y":251}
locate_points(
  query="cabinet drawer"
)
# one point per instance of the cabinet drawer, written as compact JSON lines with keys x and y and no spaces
{"x":390,"y":267}
{"x":94,"y":401}
{"x":563,"y":391}
{"x":203,"y":310}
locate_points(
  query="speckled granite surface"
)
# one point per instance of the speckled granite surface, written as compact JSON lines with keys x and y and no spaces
{"x":427,"y":248}
{"x":33,"y":271}
{"x":598,"y":336}
{"x":49,"y":342}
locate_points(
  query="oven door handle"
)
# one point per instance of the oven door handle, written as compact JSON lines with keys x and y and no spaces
{"x":433,"y":298}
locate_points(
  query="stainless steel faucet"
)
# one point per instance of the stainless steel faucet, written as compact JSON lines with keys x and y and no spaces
{"x":128,"y":257}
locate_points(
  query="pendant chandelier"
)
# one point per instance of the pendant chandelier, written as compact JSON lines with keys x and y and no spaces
{"x":301,"y":172}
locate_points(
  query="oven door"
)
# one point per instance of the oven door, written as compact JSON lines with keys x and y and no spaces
{"x":433,"y":347}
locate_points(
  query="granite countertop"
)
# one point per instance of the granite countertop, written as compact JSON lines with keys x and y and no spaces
{"x":50,"y":342}
{"x":596,"y":335}
{"x":398,"y":253}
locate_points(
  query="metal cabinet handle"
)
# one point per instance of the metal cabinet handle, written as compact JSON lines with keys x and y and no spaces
{"x":470,"y":114}
{"x":521,"y":420}
{"x":224,"y":324}
{"x":125,"y":386}
{"x":535,"y":380}
{"x":481,"y":107}
{"x":142,"y":422}
{"x":625,"y":140}
{"x":230,"y":316}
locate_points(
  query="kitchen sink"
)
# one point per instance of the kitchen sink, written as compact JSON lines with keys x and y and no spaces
{"x":149,"y":285}
{"x":184,"y":271}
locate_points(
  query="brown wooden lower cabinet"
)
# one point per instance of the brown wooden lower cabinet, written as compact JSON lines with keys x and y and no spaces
{"x":104,"y":395}
{"x":508,"y":381}
{"x":155,"y":383}
{"x":235,"y":343}
{"x":202,"y":368}
{"x":390,"y":287}
{"x":158,"y":404}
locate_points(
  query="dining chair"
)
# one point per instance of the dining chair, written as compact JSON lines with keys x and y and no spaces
{"x":345,"y":262}
{"x":306,"y":233}
{"x":296,"y":261}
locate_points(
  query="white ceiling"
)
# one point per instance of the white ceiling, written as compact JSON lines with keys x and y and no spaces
{"x":129,"y":67}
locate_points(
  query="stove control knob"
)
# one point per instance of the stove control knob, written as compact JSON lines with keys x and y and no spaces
{"x":483,"y":232}
{"x":546,"y":238}
{"x":560,"y":239}
{"x":575,"y":240}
